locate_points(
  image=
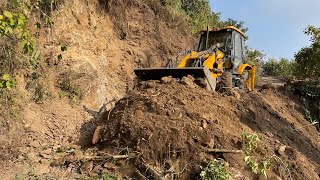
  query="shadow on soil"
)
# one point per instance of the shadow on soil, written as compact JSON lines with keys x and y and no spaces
{"x":261,"y":117}
{"x":87,"y":129}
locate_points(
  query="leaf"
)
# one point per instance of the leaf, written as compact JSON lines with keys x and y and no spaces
{"x":35,"y":54}
{"x":19,"y":35}
{"x":7,"y":14}
{"x":1,"y":17}
{"x":70,"y":150}
{"x":8,"y":85}
{"x":12,"y":22}
{"x":6,"y":77}
{"x":20,"y":21}
{"x":60,"y":57}
{"x":63,"y":48}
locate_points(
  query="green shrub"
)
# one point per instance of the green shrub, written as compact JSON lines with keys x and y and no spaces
{"x":216,"y":170}
{"x":14,"y":25}
{"x":7,"y":82}
{"x":251,"y":143}
{"x":279,"y":68}
{"x":70,"y":88}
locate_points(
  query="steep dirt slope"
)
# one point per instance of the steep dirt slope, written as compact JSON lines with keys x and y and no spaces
{"x":104,"y":46}
{"x":105,"y":40}
{"x":169,"y":125}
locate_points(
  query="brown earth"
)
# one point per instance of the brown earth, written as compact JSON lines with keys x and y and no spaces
{"x":161,"y":126}
{"x":103,"y":48}
{"x":170,"y":125}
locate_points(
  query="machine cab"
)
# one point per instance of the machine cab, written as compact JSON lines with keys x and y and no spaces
{"x":230,"y":41}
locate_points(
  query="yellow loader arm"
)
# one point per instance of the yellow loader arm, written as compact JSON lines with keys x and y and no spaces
{"x":248,"y":72}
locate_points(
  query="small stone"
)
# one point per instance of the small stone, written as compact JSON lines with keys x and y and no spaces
{"x":175,"y":114}
{"x":86,"y":167}
{"x":282,"y":150}
{"x":204,"y":124}
{"x":210,"y":143}
{"x":167,"y":79}
{"x":33,"y":157}
{"x":109,"y":166}
{"x":139,"y":113}
{"x":58,"y":162}
{"x":44,"y":161}
{"x":46,"y":156}
{"x":46,"y":151}
{"x":41,"y":169}
{"x":188,"y":81}
{"x":236,"y":95}
{"x":34,"y":144}
{"x":97,"y":135}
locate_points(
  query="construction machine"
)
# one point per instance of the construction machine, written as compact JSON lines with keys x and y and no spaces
{"x":219,"y":58}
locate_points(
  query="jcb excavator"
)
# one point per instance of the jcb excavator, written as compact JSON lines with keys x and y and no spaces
{"x":219,"y":57}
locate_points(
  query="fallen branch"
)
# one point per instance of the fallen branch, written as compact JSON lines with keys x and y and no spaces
{"x":157,"y":175}
{"x":115,"y":157}
{"x":140,"y":175}
{"x":312,"y":124}
{"x":224,"y":151}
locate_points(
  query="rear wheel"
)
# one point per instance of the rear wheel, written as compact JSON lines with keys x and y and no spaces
{"x":245,"y":81}
{"x":226,"y":79}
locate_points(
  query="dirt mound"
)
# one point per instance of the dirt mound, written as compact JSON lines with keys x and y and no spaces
{"x":170,"y":125}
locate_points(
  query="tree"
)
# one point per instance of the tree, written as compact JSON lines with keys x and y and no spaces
{"x":200,"y":14}
{"x":235,"y":23}
{"x":279,"y":67}
{"x":255,"y":57}
{"x":308,"y":58}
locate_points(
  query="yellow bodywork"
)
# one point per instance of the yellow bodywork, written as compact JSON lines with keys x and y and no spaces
{"x":218,"y":58}
{"x":210,"y":60}
{"x":252,"y":73}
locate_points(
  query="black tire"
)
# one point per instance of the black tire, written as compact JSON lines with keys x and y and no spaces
{"x":226,"y":79}
{"x":245,"y":76}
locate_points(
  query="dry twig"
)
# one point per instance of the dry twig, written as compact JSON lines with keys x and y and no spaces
{"x":224,"y":151}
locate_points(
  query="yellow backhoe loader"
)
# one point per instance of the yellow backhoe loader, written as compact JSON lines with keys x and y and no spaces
{"x":219,"y":58}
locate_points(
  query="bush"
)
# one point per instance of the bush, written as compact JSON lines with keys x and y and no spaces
{"x":7,"y":82}
{"x":216,"y":170}
{"x":70,"y":88}
{"x":251,"y":144}
{"x":279,"y":68}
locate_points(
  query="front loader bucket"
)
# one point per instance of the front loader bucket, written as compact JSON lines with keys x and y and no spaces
{"x":158,"y":73}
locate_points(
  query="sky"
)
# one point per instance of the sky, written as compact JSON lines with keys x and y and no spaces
{"x":275,"y":26}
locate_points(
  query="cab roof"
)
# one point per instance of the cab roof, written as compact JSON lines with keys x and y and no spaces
{"x":226,"y":28}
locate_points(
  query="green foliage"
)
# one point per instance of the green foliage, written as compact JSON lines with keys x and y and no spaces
{"x":216,"y":170}
{"x":70,"y":89}
{"x":238,"y":24}
{"x":309,"y":94}
{"x":308,"y":58}
{"x":251,"y":143}
{"x":200,"y":14}
{"x":14,"y":25}
{"x":63,"y":49}
{"x":106,"y":177}
{"x":7,"y":82}
{"x":280,"y":68}
{"x":255,"y":57}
